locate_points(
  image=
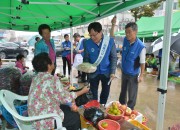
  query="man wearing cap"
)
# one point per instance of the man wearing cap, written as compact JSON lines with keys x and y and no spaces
{"x":100,"y":50}
{"x":80,"y":50}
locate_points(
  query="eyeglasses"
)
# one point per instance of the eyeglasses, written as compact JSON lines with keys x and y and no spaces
{"x":93,"y":35}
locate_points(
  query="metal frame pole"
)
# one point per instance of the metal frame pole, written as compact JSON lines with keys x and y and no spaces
{"x":71,"y":37}
{"x":165,"y":64}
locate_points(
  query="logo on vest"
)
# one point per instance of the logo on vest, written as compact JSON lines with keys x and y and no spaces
{"x":124,"y":48}
{"x":92,"y":49}
{"x":132,"y":52}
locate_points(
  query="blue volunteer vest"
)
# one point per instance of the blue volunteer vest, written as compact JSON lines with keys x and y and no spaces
{"x":93,"y":51}
{"x":130,"y":56}
{"x":66,"y":44}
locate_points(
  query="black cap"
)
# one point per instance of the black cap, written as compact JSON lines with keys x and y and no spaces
{"x":76,"y":35}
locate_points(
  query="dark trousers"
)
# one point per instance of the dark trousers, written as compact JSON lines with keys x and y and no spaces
{"x":71,"y":119}
{"x":129,"y":84}
{"x":64,"y":59}
{"x":94,"y":83}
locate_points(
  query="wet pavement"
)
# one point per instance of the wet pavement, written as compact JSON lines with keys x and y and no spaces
{"x":147,"y":100}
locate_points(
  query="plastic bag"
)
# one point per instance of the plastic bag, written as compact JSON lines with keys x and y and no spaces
{"x":9,"y":79}
{"x":25,"y":82}
{"x":94,"y":115}
{"x":78,"y":60}
{"x":83,"y":99}
{"x":87,"y":67}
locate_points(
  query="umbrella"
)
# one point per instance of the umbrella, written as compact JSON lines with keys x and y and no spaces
{"x":175,"y":43}
{"x":175,"y":47}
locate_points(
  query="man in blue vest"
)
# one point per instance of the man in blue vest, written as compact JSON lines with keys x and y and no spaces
{"x":133,"y":65}
{"x":80,"y":50}
{"x":107,"y":67}
{"x":66,"y":46}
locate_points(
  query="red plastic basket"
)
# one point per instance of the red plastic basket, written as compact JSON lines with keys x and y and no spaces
{"x":115,"y":117}
{"x":112,"y":125}
{"x":92,"y":103}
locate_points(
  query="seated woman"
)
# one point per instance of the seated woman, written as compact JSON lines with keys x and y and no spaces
{"x":47,"y":95}
{"x":20,"y":63}
{"x":152,"y":62}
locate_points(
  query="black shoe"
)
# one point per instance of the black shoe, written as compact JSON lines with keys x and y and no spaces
{"x":81,"y":81}
{"x":79,"y":76}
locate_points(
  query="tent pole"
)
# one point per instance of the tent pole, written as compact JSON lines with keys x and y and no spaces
{"x":165,"y":64}
{"x":71,"y":37}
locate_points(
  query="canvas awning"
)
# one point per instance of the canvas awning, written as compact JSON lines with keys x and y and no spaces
{"x":154,"y":26}
{"x":27,"y":16}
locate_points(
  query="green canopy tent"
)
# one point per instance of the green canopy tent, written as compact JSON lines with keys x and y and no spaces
{"x":148,"y":26}
{"x":27,"y":15}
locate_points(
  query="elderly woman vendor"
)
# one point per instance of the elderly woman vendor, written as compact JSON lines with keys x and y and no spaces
{"x":47,"y":95}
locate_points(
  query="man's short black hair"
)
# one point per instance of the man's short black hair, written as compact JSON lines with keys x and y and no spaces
{"x":152,"y":55}
{"x":66,"y":35}
{"x":147,"y":54}
{"x":96,"y":26}
{"x":19,"y":57}
{"x":42,"y":27}
{"x":76,"y":35}
{"x":41,"y":61}
{"x":133,"y":25}
{"x":37,"y":38}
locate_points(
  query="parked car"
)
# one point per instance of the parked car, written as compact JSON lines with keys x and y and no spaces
{"x":22,"y":44}
{"x":10,"y":49}
{"x":58,"y":49}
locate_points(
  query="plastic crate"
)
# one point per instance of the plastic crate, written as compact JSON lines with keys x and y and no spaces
{"x":22,"y":110}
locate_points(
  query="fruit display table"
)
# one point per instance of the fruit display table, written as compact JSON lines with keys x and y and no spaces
{"x":125,"y":125}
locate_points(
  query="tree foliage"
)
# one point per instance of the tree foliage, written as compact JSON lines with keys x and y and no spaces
{"x":146,"y":10}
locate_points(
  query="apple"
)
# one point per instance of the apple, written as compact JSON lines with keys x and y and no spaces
{"x":126,"y":118}
{"x":144,"y":119}
{"x":135,"y":112}
{"x":128,"y":111}
{"x":123,"y":107}
{"x":132,"y":116}
{"x":104,"y":125}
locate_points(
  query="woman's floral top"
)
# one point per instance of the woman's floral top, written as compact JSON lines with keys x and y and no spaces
{"x":45,"y":95}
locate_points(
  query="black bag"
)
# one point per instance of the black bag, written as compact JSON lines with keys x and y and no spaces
{"x":83,"y":99}
{"x":94,"y":115}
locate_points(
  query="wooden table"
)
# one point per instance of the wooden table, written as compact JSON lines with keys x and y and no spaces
{"x":125,"y":125}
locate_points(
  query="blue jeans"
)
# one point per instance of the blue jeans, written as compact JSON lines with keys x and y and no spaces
{"x":94,"y":84}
